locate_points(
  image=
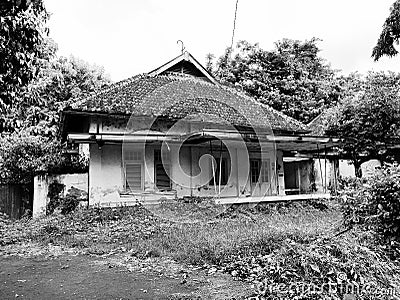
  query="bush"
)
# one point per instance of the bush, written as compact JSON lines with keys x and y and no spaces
{"x":24,"y":156}
{"x":71,"y":201}
{"x":54,"y":194}
{"x":374,"y":203}
{"x":67,"y":203}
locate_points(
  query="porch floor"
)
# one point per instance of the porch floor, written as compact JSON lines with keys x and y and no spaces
{"x":282,"y":198}
{"x":157,"y":198}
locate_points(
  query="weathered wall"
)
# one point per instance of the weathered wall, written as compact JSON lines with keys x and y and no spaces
{"x":238,"y":183}
{"x":346,"y":169}
{"x":189,"y":178}
{"x":313,"y":171}
{"x":105,"y":173}
{"x":41,"y":188}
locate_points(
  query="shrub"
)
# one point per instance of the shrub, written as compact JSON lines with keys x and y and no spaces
{"x":24,"y":156}
{"x":54,"y":194}
{"x":374,"y":203}
{"x":71,"y":201}
{"x":67,"y":203}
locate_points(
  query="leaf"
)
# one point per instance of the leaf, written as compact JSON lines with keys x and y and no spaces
{"x":315,"y":268}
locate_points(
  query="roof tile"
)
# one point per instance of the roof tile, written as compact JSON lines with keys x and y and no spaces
{"x":179,"y":96}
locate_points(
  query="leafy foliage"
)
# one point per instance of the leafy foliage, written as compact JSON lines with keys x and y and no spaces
{"x":72,"y":199}
{"x":66,"y":204}
{"x":34,"y":87}
{"x":291,"y":78}
{"x":374,"y":203}
{"x":24,"y":156}
{"x":369,"y":119}
{"x":32,"y":144}
{"x":22,"y":45}
{"x":54,"y":195}
{"x":390,"y":34}
{"x":59,"y":81}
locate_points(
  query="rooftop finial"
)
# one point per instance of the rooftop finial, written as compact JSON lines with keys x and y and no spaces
{"x":182,"y":46}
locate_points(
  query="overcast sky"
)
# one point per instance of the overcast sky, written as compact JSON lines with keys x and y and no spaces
{"x":128,"y":37}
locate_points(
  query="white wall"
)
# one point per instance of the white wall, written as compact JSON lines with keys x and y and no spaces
{"x":189,"y":178}
{"x":41,"y":188}
{"x":368,"y":168}
{"x":346,"y":169}
{"x":105,"y":173}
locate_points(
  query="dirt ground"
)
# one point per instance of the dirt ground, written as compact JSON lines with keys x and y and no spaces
{"x":119,"y":276}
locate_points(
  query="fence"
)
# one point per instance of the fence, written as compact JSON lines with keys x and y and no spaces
{"x":15,"y":199}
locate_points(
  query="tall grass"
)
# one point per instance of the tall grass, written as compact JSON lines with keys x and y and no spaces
{"x":223,"y":241}
{"x":214,"y":241}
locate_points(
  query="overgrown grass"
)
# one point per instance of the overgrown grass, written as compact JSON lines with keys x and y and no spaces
{"x":269,"y":244}
{"x":238,"y":232}
{"x":226,"y":239}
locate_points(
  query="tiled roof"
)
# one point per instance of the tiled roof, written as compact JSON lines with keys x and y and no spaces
{"x":177,"y":96}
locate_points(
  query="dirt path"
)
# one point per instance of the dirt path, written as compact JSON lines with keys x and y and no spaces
{"x":87,"y":277}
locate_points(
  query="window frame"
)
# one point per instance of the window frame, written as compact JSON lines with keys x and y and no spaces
{"x":263,"y":174}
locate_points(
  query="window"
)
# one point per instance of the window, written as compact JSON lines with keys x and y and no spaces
{"x":133,"y":155}
{"x":255,"y":166}
{"x":265,"y":171}
{"x":224,"y":171}
{"x":259,"y":170}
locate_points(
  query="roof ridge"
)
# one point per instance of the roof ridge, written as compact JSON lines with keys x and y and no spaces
{"x":182,"y":76}
{"x":185,"y":56}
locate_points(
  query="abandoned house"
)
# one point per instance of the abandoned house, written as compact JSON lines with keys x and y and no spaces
{"x":176,"y":132}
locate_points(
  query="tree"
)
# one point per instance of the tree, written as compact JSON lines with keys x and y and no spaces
{"x":59,"y":82}
{"x":291,"y":78}
{"x":35,"y":86}
{"x":22,"y":44}
{"x":209,"y":62}
{"x":390,"y":34}
{"x":369,"y":120}
{"x":32,"y":145}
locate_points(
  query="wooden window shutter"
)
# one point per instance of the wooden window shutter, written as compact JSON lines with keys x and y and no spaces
{"x":133,"y":176}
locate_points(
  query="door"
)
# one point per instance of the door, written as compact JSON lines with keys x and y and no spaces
{"x":292,"y":178}
{"x":133,"y":169}
{"x":161,"y":170}
{"x":133,"y":176}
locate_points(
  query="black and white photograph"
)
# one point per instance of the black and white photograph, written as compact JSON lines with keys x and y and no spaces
{"x":222,"y":150}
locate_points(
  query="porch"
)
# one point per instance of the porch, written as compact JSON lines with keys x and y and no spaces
{"x":226,"y":166}
{"x":156,"y":198}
